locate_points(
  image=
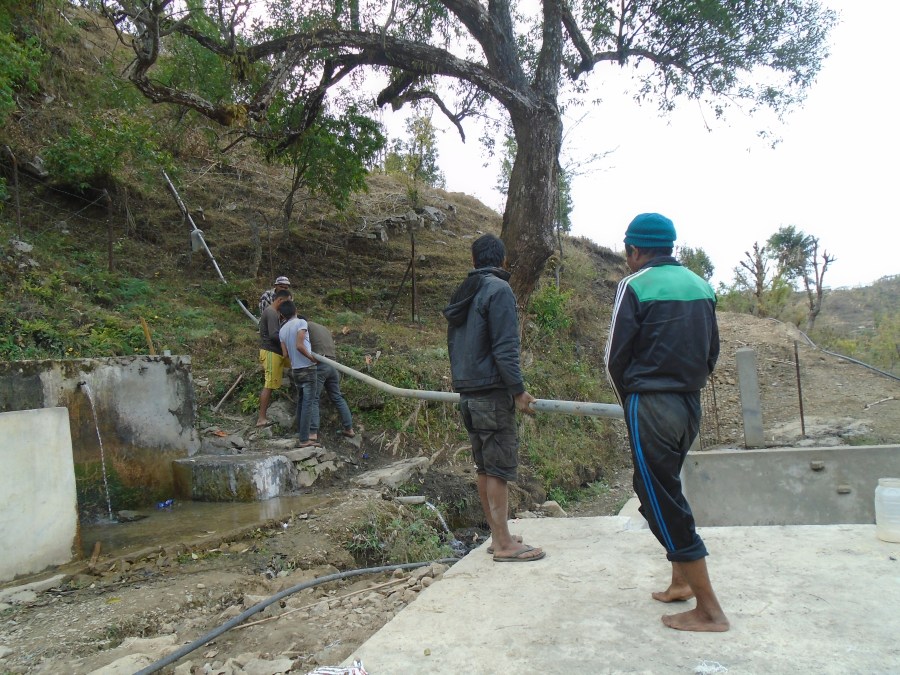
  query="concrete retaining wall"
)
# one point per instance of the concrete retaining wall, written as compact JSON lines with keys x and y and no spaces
{"x":810,"y":486}
{"x":38,"y":506}
{"x":145,"y":407}
{"x":232,"y":478}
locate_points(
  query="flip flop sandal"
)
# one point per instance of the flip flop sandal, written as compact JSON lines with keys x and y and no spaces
{"x":517,"y":556}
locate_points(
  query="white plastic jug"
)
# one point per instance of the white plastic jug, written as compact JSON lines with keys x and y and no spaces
{"x":887,"y":509}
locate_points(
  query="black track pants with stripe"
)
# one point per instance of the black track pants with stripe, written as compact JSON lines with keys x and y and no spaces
{"x":661,"y":428}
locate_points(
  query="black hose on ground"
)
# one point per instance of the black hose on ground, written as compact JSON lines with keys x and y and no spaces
{"x":243,"y":616}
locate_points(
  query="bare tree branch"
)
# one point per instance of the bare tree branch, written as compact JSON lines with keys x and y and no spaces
{"x":575,"y":35}
{"x":422,"y":94}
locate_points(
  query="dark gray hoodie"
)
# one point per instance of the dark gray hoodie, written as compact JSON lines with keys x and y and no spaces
{"x":483,"y":334}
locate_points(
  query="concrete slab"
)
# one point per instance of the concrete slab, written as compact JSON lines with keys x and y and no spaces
{"x":801,"y":599}
{"x":39,"y":525}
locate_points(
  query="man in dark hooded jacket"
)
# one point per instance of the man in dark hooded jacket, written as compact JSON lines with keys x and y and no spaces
{"x":483,"y":341}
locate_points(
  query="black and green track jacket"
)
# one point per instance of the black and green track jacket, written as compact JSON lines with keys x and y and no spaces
{"x":663,"y":335}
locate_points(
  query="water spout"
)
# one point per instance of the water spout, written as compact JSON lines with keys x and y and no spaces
{"x":87,"y":390}
{"x":458,"y":547}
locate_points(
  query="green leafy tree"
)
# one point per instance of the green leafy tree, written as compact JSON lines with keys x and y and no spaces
{"x":696,"y":260}
{"x":416,"y":157}
{"x":104,"y":149}
{"x":548,"y":306}
{"x":796,"y":257}
{"x":886,"y":340}
{"x":328,"y":158}
{"x":463,"y":54}
{"x":789,"y":249}
{"x":507,"y":159}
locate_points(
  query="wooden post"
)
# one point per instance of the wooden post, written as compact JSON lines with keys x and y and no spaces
{"x":347,"y":266}
{"x":412,"y":267}
{"x":95,"y":555}
{"x":228,"y":393}
{"x":109,"y":227}
{"x":15,"y":170}
{"x":799,"y":390}
{"x":399,"y":289}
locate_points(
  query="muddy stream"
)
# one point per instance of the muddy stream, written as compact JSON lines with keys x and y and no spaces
{"x":187,"y":521}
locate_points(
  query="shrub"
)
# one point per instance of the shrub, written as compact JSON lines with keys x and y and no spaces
{"x":385,"y":538}
{"x":20,"y":64}
{"x":97,"y":153}
{"x":548,"y":306}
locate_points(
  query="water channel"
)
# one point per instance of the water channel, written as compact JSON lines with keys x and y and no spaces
{"x":187,"y":521}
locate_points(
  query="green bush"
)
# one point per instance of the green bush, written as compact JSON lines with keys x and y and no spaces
{"x":106,"y":147}
{"x":20,"y":64}
{"x":385,"y":538}
{"x":548,"y":306}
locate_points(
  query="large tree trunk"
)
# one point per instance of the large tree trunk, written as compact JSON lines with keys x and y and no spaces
{"x":532,"y":197}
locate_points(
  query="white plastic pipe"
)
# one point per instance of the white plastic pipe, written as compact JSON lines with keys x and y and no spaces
{"x":540,"y":405}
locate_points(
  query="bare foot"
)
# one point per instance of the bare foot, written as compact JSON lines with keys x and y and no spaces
{"x":697,"y":621}
{"x":517,"y":538}
{"x":674,"y":593}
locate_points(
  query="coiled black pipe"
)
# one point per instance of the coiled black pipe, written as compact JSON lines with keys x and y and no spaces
{"x":243,"y":616}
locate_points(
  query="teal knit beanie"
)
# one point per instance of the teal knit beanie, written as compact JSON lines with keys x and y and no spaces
{"x":651,"y":230}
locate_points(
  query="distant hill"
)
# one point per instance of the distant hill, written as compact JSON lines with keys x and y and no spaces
{"x":854,"y":309}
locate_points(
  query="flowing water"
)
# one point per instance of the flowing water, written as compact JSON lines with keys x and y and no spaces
{"x":457,"y":546}
{"x":186,"y":522}
{"x":90,"y":396}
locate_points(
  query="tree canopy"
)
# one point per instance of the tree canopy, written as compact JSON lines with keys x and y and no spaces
{"x":461,"y":55}
{"x":697,"y":261}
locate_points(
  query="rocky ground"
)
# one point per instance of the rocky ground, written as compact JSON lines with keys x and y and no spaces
{"x":131,"y":610}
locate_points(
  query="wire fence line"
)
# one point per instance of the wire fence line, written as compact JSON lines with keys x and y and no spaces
{"x":711,"y":426}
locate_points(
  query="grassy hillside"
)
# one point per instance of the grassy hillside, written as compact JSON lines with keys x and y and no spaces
{"x":83,"y":263}
{"x":87,"y":254}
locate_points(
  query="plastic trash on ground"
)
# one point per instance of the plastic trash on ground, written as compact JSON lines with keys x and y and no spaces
{"x":355,"y":669}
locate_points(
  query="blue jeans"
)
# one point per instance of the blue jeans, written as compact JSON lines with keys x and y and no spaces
{"x":305,"y":381}
{"x":327,"y":378}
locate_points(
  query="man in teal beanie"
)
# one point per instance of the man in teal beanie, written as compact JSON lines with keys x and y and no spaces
{"x":663,"y":345}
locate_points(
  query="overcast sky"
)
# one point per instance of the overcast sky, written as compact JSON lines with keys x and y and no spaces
{"x":832,"y":175}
